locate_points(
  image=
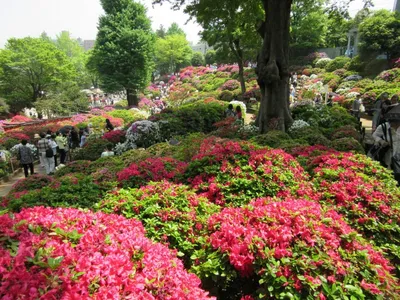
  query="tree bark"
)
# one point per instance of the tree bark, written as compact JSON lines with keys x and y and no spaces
{"x":273,"y":67}
{"x":238,"y":52}
{"x":132,"y":97}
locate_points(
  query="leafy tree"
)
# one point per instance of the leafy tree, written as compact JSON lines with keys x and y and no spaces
{"x":29,"y":67}
{"x":174,"y":29}
{"x":227,"y":28}
{"x":64,"y":101}
{"x":380,"y":33}
{"x":4,"y":108}
{"x":161,"y":32}
{"x":210,"y":57}
{"x":308,"y":24}
{"x":76,"y":54}
{"x":172,"y":53}
{"x":338,"y":26}
{"x":198,"y":59}
{"x":273,"y":59}
{"x":123,"y":53}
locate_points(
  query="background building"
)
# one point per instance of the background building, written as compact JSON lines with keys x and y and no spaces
{"x":202,"y":47}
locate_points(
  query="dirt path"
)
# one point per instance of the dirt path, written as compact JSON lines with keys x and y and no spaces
{"x":5,"y":187}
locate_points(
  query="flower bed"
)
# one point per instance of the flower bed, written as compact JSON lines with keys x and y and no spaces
{"x":151,"y":169}
{"x":171,"y":214}
{"x":297,"y":248}
{"x":70,"y":254}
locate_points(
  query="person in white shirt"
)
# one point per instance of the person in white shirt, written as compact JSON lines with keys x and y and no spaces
{"x":388,"y":134}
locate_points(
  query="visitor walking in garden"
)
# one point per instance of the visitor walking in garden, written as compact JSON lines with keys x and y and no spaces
{"x":355,"y":108}
{"x":48,"y":159}
{"x":239,"y":113}
{"x":54,"y":146}
{"x":108,"y":151}
{"x":376,"y":119}
{"x":62,"y":144}
{"x":109,"y":126}
{"x":26,"y":157}
{"x":36,"y":139}
{"x":229,"y":112}
{"x":74,"y":139}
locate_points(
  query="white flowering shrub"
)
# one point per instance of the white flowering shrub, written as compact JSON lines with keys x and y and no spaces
{"x":297,"y":124}
{"x":322,"y":62}
{"x":143,"y":133}
{"x":352,"y":95}
{"x":313,"y":76}
{"x":14,"y":150}
{"x":249,"y":130}
{"x":304,"y":77}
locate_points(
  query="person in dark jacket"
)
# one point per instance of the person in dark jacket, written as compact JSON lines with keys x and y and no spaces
{"x":109,"y":126}
{"x":26,"y":157}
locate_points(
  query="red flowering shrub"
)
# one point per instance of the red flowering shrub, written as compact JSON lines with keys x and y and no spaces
{"x":69,"y":254}
{"x":115,"y":136}
{"x":151,"y":169}
{"x":171,"y":214}
{"x":20,"y":119}
{"x":77,"y":166}
{"x":296,"y":248}
{"x":234,"y":173}
{"x":17,"y":135}
{"x":365,"y":193}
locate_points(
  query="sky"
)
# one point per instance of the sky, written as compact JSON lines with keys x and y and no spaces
{"x":21,"y":18}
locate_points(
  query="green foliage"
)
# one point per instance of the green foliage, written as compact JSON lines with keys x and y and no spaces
{"x":198,"y":59}
{"x":210,"y":57}
{"x":64,"y":101}
{"x":173,"y":214}
{"x":123,"y":53}
{"x":127,"y":115}
{"x":69,"y":191}
{"x":226,"y":95}
{"x":91,"y":151}
{"x":77,"y":166}
{"x":174,"y":29}
{"x":4,"y":108}
{"x":347,"y":144}
{"x":273,"y":139}
{"x":23,"y":57}
{"x":356,"y":64}
{"x":379,"y":34}
{"x":172,"y":53}
{"x":337,"y":63}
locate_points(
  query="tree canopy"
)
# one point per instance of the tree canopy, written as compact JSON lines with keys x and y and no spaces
{"x":124,"y":49}
{"x":380,"y":34}
{"x":30,"y":67}
{"x":174,"y":29}
{"x":198,"y":59}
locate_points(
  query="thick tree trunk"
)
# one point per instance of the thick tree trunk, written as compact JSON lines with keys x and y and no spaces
{"x":132,"y":97}
{"x":273,"y":67}
{"x":241,"y":76}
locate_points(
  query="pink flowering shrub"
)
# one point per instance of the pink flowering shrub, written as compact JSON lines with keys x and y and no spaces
{"x":171,"y":214}
{"x":115,"y":136}
{"x":17,"y":135}
{"x":297,"y":248}
{"x":71,"y":254}
{"x":145,"y":103}
{"x":230,"y":85}
{"x":20,"y":119}
{"x":234,"y":173}
{"x":152,"y":169}
{"x":79,"y":118}
{"x":366,"y":195}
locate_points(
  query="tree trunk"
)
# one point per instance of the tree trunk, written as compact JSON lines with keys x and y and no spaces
{"x":238,"y":52}
{"x":132,"y":97}
{"x":273,"y":67}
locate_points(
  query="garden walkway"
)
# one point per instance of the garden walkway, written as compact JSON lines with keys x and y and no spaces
{"x":5,"y":187}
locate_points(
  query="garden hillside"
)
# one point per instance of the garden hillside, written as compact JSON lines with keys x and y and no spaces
{"x":195,"y":205}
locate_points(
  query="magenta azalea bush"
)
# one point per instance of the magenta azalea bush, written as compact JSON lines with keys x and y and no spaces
{"x":115,"y":136}
{"x":233,"y":173}
{"x":295,"y":249}
{"x":151,"y":169}
{"x":69,"y":254}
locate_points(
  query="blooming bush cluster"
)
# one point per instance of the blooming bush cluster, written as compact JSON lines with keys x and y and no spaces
{"x":171,"y":214}
{"x":230,"y":85}
{"x":66,"y":253}
{"x":77,"y":166}
{"x":151,"y":169}
{"x":20,"y":119}
{"x":115,"y":136}
{"x":297,"y":124}
{"x":297,"y":248}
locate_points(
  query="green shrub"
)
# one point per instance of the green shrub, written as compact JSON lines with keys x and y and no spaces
{"x":273,"y":139}
{"x":91,"y":151}
{"x":327,"y":77}
{"x":312,"y":135}
{"x":226,"y":96}
{"x":322,"y":62}
{"x":317,"y":71}
{"x":347,"y":144}
{"x":68,"y":191}
{"x":374,"y":67}
{"x":171,"y":214}
{"x":77,"y":166}
{"x":127,"y":115}
{"x":134,"y":156}
{"x":337,"y":63}
{"x":356,"y":64}
{"x":112,"y":163}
